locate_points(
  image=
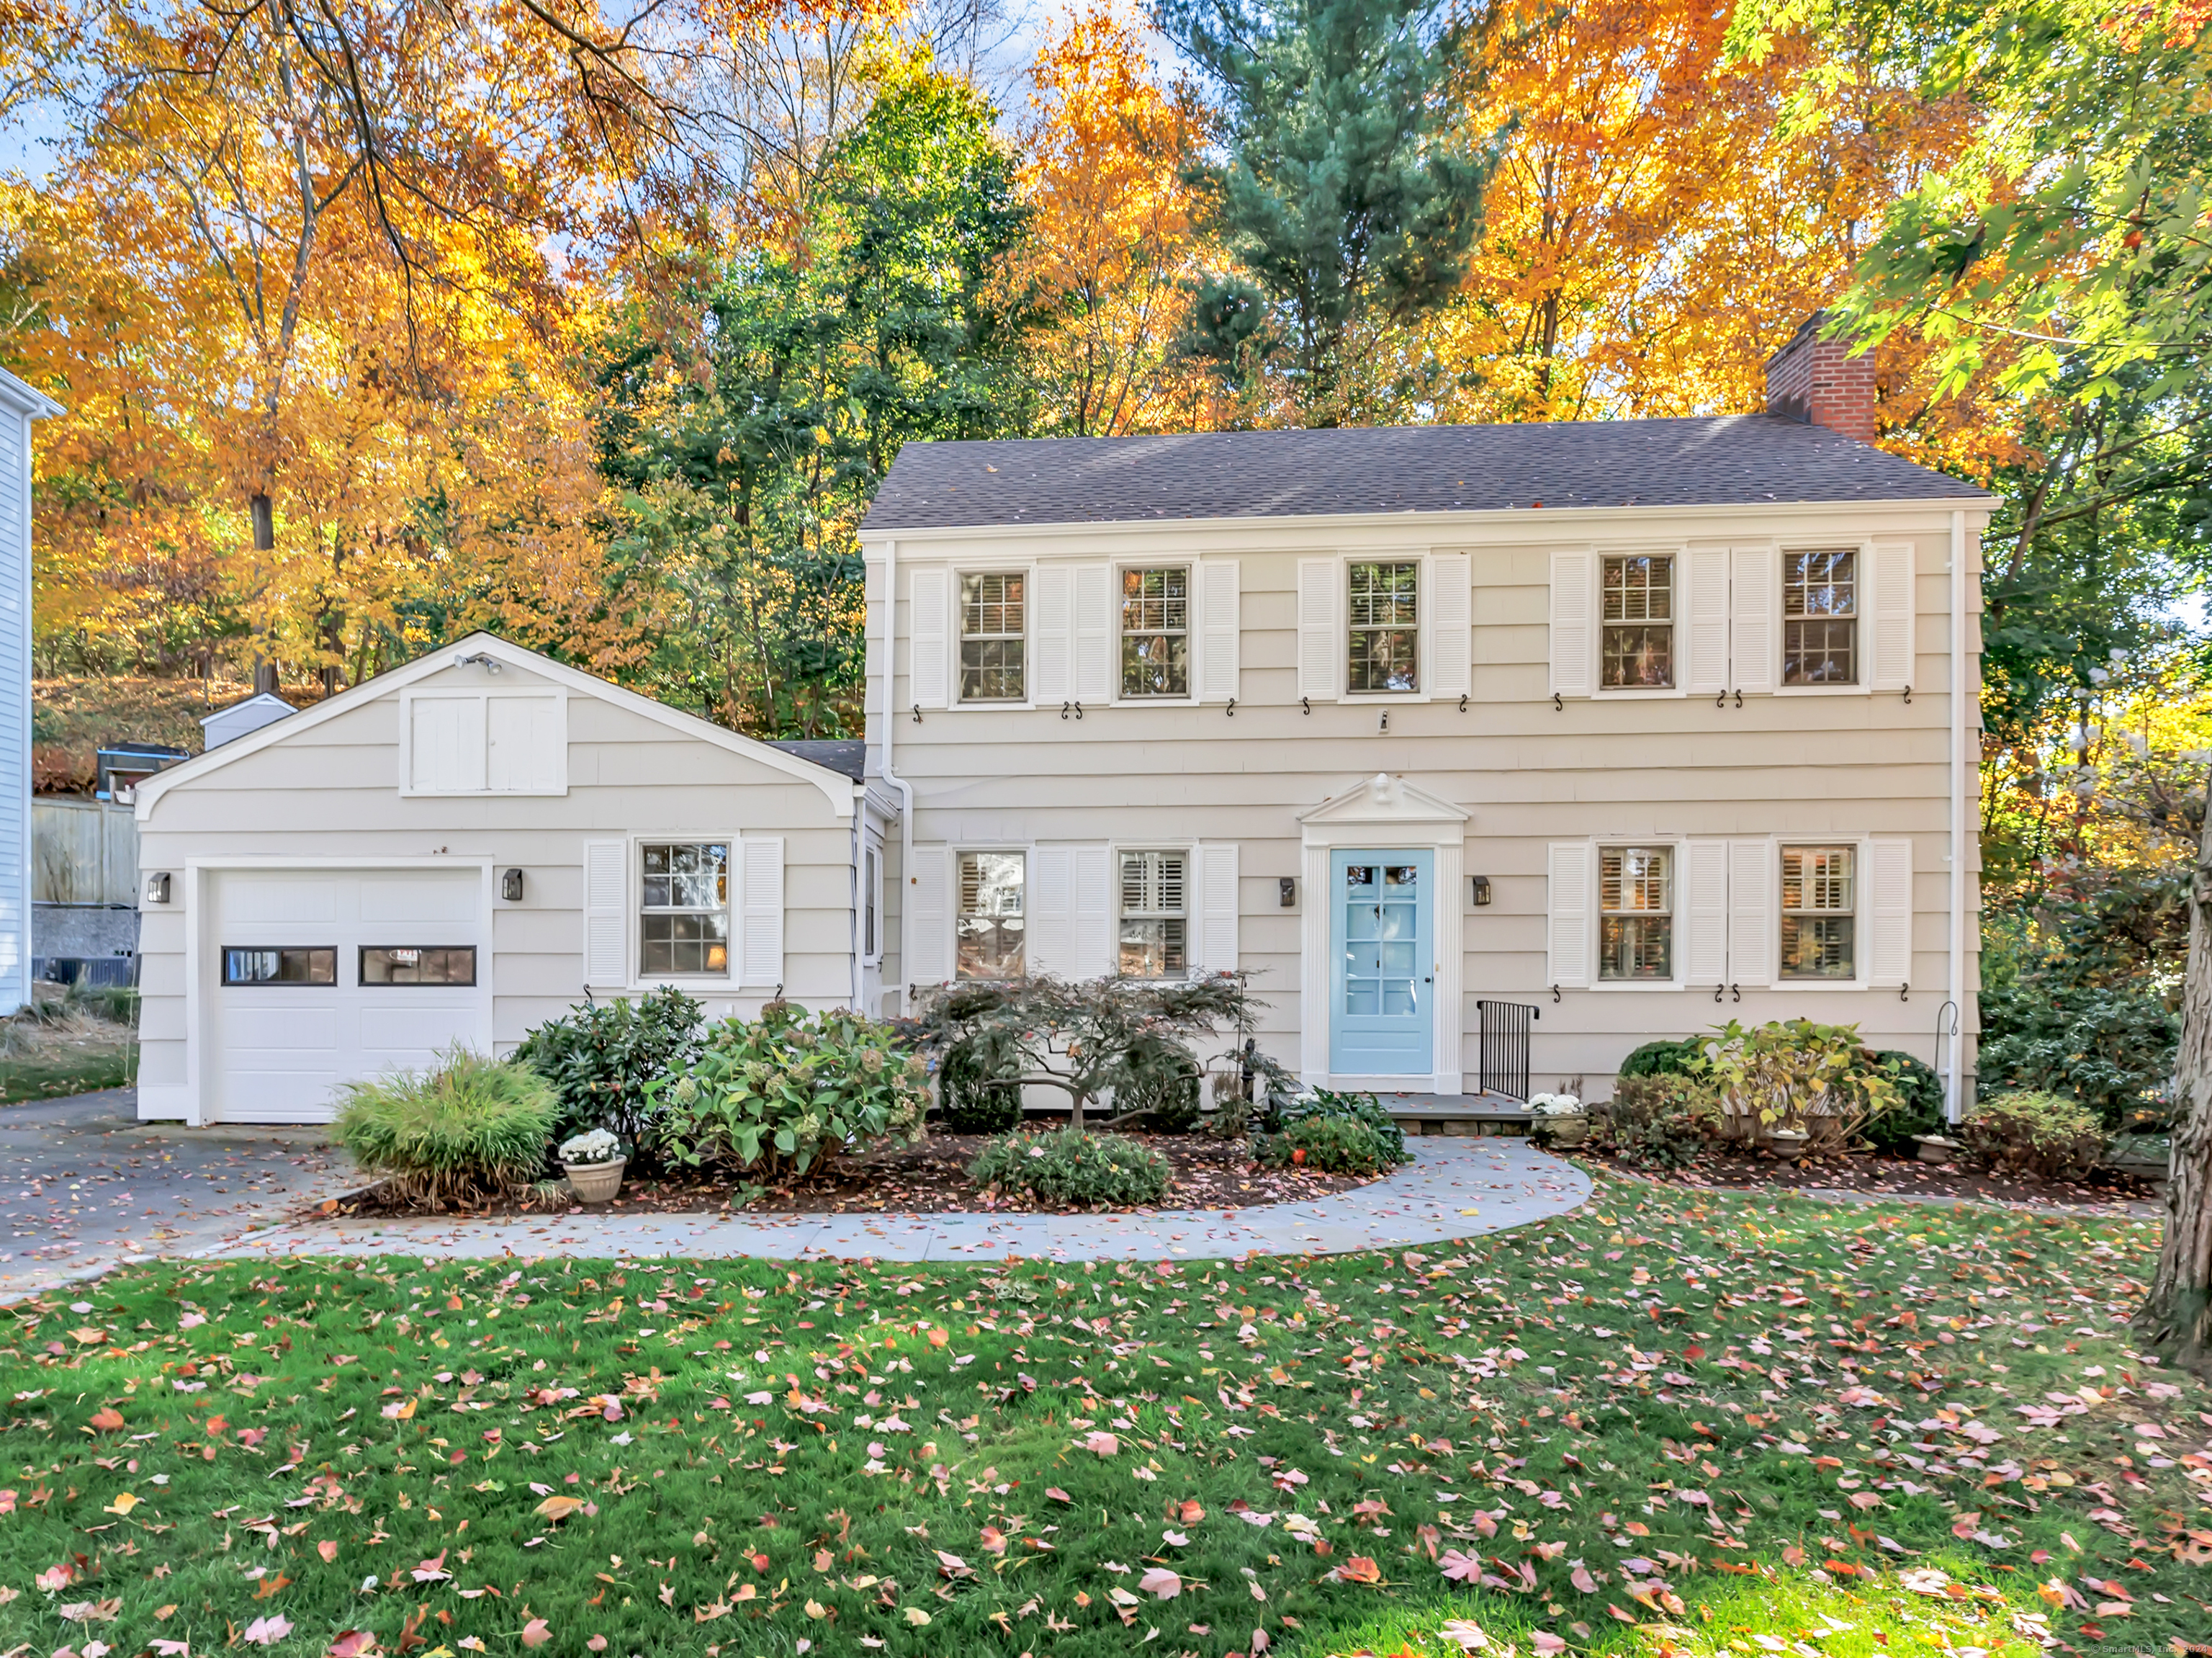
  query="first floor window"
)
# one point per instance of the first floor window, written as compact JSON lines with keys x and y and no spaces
{"x":1637,"y":913}
{"x":418,"y":964}
{"x":871,"y":902}
{"x":283,"y":964}
{"x":1154,"y":921}
{"x":989,"y":941}
{"x":1819,"y":906}
{"x":1819,"y":616}
{"x":683,"y":908}
{"x":1640,"y":623}
{"x":1156,"y":632}
{"x":994,"y":633}
{"x":1385,"y":615}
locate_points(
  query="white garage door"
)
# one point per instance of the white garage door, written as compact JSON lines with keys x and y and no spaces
{"x":317,"y":977}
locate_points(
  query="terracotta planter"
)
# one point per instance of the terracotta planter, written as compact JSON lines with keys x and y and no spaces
{"x":596,"y":1183}
{"x":1569,"y":1129}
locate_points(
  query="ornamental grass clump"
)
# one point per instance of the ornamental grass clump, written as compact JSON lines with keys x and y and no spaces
{"x":469,"y":1130}
{"x":1068,"y":1166}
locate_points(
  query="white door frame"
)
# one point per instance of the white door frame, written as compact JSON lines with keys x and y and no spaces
{"x":198,"y":1052}
{"x":1383,"y":814}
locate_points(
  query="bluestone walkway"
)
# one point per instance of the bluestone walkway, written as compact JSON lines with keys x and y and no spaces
{"x":1454,"y":1188}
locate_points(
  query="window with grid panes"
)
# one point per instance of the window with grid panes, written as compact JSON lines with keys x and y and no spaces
{"x":1819,"y":912}
{"x":1155,"y":920}
{"x":683,"y":908}
{"x":1636,"y":902}
{"x":988,"y":935}
{"x":1156,"y":632}
{"x":1638,"y":619}
{"x":1821,"y":616}
{"x":993,"y":635}
{"x":1384,"y":607}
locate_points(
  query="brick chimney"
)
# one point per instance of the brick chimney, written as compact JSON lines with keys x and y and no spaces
{"x":1819,"y":381}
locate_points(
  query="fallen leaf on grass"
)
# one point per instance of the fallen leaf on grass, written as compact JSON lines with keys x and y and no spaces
{"x":125,"y":1502}
{"x":557,"y":1508}
{"x":535,"y":1634}
{"x":328,"y":1550}
{"x":1161,"y":1582}
{"x":1104,"y":1443}
{"x":1462,"y":1568}
{"x":92,"y":1611}
{"x":107,"y":1419}
{"x":353,"y":1643}
{"x":267,"y":1631}
{"x":1359,"y":1569}
{"x":270,"y":1586}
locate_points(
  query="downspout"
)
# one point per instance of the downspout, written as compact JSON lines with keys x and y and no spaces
{"x":1954,"y":1078}
{"x":883,"y":762}
{"x":860,"y":813}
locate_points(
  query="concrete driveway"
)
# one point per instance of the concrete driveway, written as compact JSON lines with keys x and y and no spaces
{"x":86,"y":1187}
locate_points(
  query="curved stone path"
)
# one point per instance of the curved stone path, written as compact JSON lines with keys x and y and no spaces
{"x":1454,"y":1188}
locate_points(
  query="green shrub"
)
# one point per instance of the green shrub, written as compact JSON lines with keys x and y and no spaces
{"x":1919,"y":1096}
{"x":789,"y":1093}
{"x":603,"y":1058}
{"x":1796,"y":1074}
{"x":1661,"y":1121}
{"x":1664,"y":1058}
{"x":976,"y":1102}
{"x":1331,"y":1145}
{"x":1069,"y":1166}
{"x":2034,"y":1132}
{"x":470,"y":1130}
{"x":1363,"y":1108}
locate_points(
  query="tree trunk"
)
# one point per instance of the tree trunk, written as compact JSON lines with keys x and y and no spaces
{"x":2176,"y":1321}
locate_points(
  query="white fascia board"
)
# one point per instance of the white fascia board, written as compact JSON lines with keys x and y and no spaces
{"x":20,"y":397}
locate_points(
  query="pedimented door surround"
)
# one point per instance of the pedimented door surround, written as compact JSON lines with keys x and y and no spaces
{"x":1384,"y":813}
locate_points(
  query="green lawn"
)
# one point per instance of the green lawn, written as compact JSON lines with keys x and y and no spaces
{"x":1672,"y":1423}
{"x":51,"y":1074}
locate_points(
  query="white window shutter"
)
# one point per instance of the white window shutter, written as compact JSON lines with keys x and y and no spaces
{"x":760,"y":910}
{"x":1093,"y":633}
{"x":1570,"y":896}
{"x":1052,"y":625}
{"x":606,"y":914}
{"x":1048,"y":912}
{"x":1704,"y":625}
{"x":928,"y":936}
{"x":1574,"y":631}
{"x":1450,"y":604}
{"x":1754,"y":920}
{"x":1704,"y":909}
{"x":1093,"y":952}
{"x":1754,"y":629}
{"x":1216,"y":907}
{"x":1892,"y":616}
{"x":1889,"y":887}
{"x":1320,"y":640}
{"x":929,"y":621}
{"x":1220,"y":630}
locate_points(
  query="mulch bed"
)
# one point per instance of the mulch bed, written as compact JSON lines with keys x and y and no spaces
{"x":1880,"y":1174}
{"x":932,"y":1178}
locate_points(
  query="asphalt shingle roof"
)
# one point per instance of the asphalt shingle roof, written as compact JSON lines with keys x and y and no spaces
{"x":1724,"y":460}
{"x":845,"y":754}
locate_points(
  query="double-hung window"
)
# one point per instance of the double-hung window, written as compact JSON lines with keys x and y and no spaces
{"x":1821,"y":616}
{"x":1155,"y":918}
{"x":1819,"y":912}
{"x":993,"y":637}
{"x":988,"y":936}
{"x":683,"y":908}
{"x":1384,"y":612}
{"x":1156,"y":632}
{"x":1638,"y":645}
{"x":1636,"y":921}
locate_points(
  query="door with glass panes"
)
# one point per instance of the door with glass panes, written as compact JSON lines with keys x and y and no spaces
{"x":1382,"y":925}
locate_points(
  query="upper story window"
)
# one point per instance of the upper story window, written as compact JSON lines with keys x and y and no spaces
{"x":1819,"y":910}
{"x":993,"y":628}
{"x":683,"y":908}
{"x":988,"y":938}
{"x":1820,"y":616}
{"x":1156,"y":632}
{"x":1638,"y":646}
{"x":1155,"y":918}
{"x":1636,"y":926}
{"x":1385,"y":627}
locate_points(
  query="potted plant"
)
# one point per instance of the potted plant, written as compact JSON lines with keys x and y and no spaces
{"x":1560,"y":1118}
{"x":593,"y":1162}
{"x":1935,"y":1148}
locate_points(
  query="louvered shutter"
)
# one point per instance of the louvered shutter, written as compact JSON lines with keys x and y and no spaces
{"x":1574,"y":642}
{"x":1052,"y":628}
{"x":1450,"y":607}
{"x":1093,"y":880}
{"x":1892,"y":622}
{"x":1705,"y":624}
{"x":1754,"y":921}
{"x":1220,"y":630}
{"x":1048,"y":912}
{"x":1571,"y":897}
{"x":929,"y":622}
{"x":1093,"y":649}
{"x":1705,"y":911}
{"x":606,"y":914}
{"x":1754,"y":645}
{"x":1889,"y":894}
{"x":760,"y":911}
{"x":1320,"y":640}
{"x":1216,"y":907}
{"x":929,"y":917}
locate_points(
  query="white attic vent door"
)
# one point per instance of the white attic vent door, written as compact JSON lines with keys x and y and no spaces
{"x":479,"y":743}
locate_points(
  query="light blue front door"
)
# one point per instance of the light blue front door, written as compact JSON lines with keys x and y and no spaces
{"x":1381,"y":1012}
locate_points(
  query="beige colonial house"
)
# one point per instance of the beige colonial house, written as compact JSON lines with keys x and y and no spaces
{"x":1487,"y":752}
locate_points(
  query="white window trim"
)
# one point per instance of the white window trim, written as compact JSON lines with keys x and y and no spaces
{"x":1864,"y":616}
{"x":1026,"y":569}
{"x":409,"y":697}
{"x":727,"y":983}
{"x":1423,"y":624}
{"x":871,"y":895}
{"x":1862,"y":908}
{"x":1680,"y":552}
{"x":1676,"y":844}
{"x":1191,"y":920}
{"x":1192,"y":631}
{"x":954,"y":851}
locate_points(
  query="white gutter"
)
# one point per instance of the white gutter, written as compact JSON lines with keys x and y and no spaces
{"x":883,"y":762}
{"x":1961,"y":826}
{"x":860,"y":813}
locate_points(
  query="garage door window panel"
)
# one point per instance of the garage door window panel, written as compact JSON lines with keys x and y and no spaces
{"x":417,"y":964}
{"x":283,"y":964}
{"x":684,"y":912}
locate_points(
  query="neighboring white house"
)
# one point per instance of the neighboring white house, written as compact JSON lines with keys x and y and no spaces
{"x":19,"y":406}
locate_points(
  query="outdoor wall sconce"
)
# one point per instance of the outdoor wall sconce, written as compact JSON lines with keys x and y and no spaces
{"x":510,"y":886}
{"x":157,"y":886}
{"x":1482,"y":886}
{"x":1287,"y":886}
